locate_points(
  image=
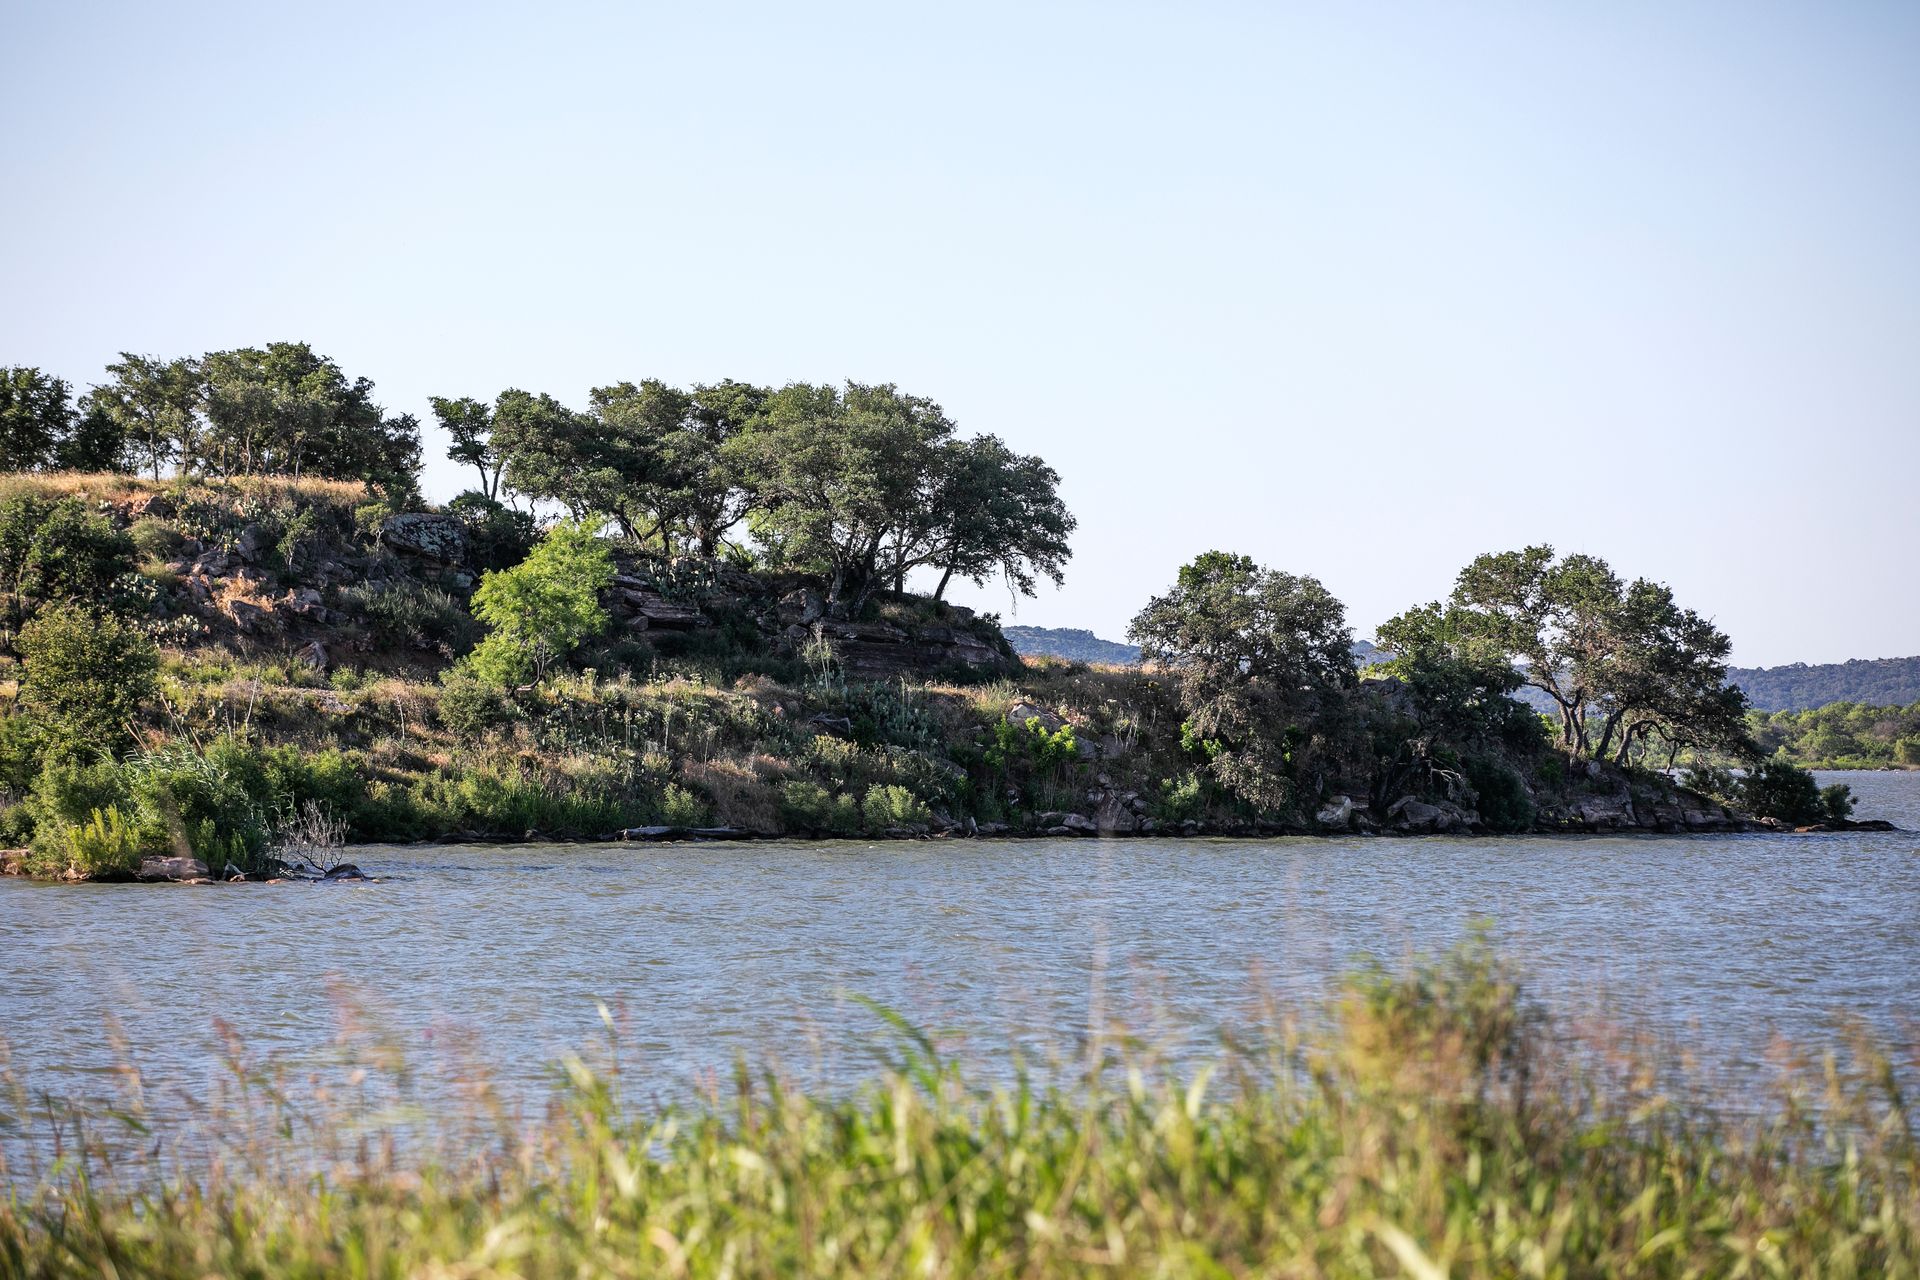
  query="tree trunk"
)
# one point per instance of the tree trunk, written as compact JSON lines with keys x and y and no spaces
{"x":945,"y":578}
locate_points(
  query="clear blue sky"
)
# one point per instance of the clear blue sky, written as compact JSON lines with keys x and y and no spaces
{"x":1360,"y":290}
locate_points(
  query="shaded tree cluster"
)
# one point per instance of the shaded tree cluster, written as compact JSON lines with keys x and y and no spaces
{"x":281,"y":409}
{"x":862,"y":484}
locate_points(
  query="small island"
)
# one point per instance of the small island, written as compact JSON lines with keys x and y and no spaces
{"x":241,"y":640}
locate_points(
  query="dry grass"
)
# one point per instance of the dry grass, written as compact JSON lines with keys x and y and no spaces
{"x":114,"y":487}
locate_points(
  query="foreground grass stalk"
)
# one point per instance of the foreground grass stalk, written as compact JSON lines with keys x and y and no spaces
{"x":1435,"y":1125}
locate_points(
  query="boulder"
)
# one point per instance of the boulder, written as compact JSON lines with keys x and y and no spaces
{"x":439,"y":538}
{"x":249,"y":617}
{"x":157,"y":505}
{"x":1409,"y":814}
{"x":651,"y":611}
{"x":172,"y":869}
{"x":1021,"y":712}
{"x":253,"y":544}
{"x":1607,"y":813}
{"x":1069,"y":824}
{"x":313,"y":656}
{"x":1337,"y":812}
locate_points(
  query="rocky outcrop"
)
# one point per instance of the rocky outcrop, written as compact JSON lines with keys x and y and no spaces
{"x":441,"y":539}
{"x":176,"y":868}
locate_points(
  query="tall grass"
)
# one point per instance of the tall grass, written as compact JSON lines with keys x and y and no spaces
{"x":1434,"y":1125}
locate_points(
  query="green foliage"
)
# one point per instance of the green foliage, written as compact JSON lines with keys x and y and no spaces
{"x":59,"y":551}
{"x":405,"y":612}
{"x":1502,"y":798}
{"x":1257,"y":654}
{"x":35,"y":414}
{"x":470,"y":706}
{"x":1028,"y":748}
{"x":681,"y":808}
{"x":542,"y":608}
{"x":809,"y":807}
{"x":1429,"y":1123}
{"x":1182,"y":798}
{"x":1842,"y":735}
{"x":1620,"y":658}
{"x":1779,"y":789}
{"x":498,"y":537}
{"x":88,"y":675}
{"x":892,"y":806}
{"x":104,"y":845}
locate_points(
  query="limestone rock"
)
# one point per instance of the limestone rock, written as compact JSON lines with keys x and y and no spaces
{"x":1337,"y":812}
{"x":439,"y":538}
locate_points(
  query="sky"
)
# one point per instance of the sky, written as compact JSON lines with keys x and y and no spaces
{"x":1359,"y":290}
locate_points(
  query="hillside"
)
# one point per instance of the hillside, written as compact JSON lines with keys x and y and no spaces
{"x":1070,"y":643}
{"x":312,"y":683}
{"x":1076,"y":645}
{"x":1879,"y":682}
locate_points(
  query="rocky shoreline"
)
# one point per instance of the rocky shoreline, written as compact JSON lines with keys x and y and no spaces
{"x":1417,"y":823}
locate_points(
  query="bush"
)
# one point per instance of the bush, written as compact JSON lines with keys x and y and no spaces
{"x":1779,"y":790}
{"x":59,"y":551}
{"x":810,"y":807}
{"x":893,"y":806}
{"x":105,"y":845}
{"x":1503,"y":801}
{"x":407,"y":612}
{"x":155,"y":539}
{"x":471,"y":707}
{"x":88,"y":674}
{"x":498,"y":537}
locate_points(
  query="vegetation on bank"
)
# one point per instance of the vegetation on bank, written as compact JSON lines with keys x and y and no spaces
{"x":1434,"y":1124}
{"x":1799,"y":686}
{"x":719,"y":631}
{"x":1842,"y":735}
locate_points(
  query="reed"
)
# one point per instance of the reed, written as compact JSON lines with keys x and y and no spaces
{"x":1434,"y":1123}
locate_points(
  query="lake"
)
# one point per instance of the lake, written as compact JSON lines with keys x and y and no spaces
{"x":706,"y":952}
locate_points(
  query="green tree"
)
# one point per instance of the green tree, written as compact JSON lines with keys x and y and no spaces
{"x":87,"y":674}
{"x":989,"y":511}
{"x":1461,"y":685}
{"x":594,"y":465}
{"x":838,"y":474}
{"x":59,"y":552}
{"x":1255,"y":652}
{"x":542,"y":608}
{"x":1624,"y":659}
{"x":470,"y":425}
{"x":156,"y":406}
{"x":286,"y":409}
{"x":36,"y":413}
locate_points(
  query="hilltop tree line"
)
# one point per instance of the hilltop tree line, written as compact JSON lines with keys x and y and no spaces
{"x":863,"y":484}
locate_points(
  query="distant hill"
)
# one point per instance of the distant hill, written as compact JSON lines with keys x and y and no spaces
{"x":1070,"y":643}
{"x":1084,"y":646}
{"x":1879,"y":682}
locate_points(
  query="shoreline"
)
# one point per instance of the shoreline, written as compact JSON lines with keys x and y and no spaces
{"x":13,"y":861}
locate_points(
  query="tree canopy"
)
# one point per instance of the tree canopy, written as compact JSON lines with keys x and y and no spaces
{"x":1620,"y":661}
{"x":1253,"y":651}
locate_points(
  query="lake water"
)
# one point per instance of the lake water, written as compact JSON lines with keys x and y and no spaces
{"x":705,"y":952}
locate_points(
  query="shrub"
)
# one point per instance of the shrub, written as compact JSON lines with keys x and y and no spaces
{"x":87,"y":673}
{"x":1777,"y":789}
{"x":679,"y":807}
{"x":59,"y":551}
{"x":1503,"y":801}
{"x":155,"y":539}
{"x":543,"y":607}
{"x":471,"y":707}
{"x":892,"y":806}
{"x":105,"y":845}
{"x":810,"y":807}
{"x":407,"y":612}
{"x":1837,"y":802}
